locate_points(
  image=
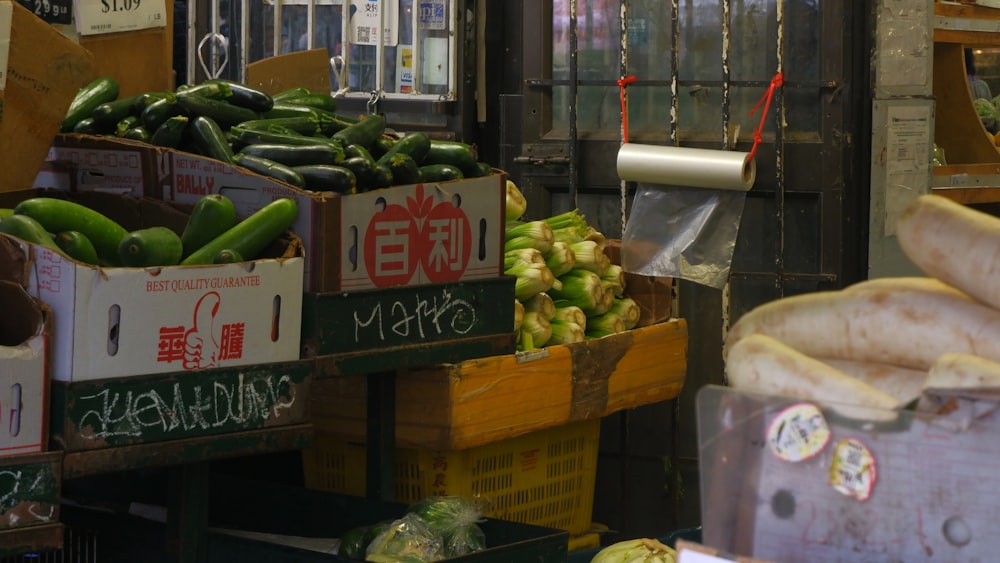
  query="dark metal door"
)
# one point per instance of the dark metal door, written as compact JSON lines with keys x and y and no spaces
{"x":556,"y":69}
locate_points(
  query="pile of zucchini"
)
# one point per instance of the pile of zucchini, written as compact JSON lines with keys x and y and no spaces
{"x":295,"y":136}
{"x":212,"y":235}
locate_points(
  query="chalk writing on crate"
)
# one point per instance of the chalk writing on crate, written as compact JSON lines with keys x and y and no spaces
{"x":233,"y":403}
{"x":416,"y":316}
{"x":31,"y":484}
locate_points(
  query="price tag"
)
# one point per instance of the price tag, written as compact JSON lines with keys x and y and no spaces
{"x":6,"y":21}
{"x":96,"y":17}
{"x":51,"y":11}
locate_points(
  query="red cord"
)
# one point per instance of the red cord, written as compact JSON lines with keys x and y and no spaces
{"x":622,"y":83}
{"x":777,"y":82}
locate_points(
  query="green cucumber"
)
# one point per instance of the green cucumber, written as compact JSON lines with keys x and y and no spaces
{"x":210,"y":140}
{"x":404,"y":169}
{"x":328,"y":177}
{"x":381,"y":146}
{"x":459,"y":154}
{"x":222,"y":112}
{"x":213,"y":215}
{"x":246,"y":137}
{"x":77,"y":246}
{"x":171,"y":133}
{"x":482,"y":168}
{"x":30,"y":230}
{"x":440,"y":173}
{"x":294,"y":155}
{"x":159,"y":111}
{"x":352,"y":151}
{"x":99,"y":91}
{"x":88,"y":126}
{"x":292,"y":110}
{"x":383,"y":177}
{"x":270,"y":168}
{"x":245,"y":96}
{"x":363,"y":170}
{"x":58,"y":215}
{"x":112,"y":112}
{"x":250,"y":236}
{"x":318,"y":100}
{"x":227,"y":256}
{"x":364,"y":132}
{"x":126,"y":123}
{"x":137,"y":133}
{"x":290,"y":93}
{"x":149,"y":247}
{"x":300,"y":125}
{"x":414,"y":144}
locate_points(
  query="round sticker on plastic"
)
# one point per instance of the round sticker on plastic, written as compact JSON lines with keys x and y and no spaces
{"x":853,"y":471}
{"x":798,"y":432}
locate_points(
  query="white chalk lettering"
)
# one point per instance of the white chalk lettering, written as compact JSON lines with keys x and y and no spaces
{"x":424,"y":317}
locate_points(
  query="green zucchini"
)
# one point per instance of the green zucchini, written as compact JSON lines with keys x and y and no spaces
{"x":99,"y":91}
{"x":126,"y":123}
{"x":222,"y":112}
{"x":251,"y":235}
{"x":149,"y":247}
{"x":383,"y":177}
{"x":363,"y":170}
{"x":170,"y":133}
{"x":88,"y":126}
{"x":26,"y":228}
{"x":270,"y":168}
{"x":414,"y":144}
{"x":5,"y":212}
{"x":440,"y":173}
{"x":292,"y":110}
{"x":137,"y":133}
{"x":159,"y":111}
{"x":245,"y":96}
{"x":482,"y":168}
{"x":114,"y":111}
{"x":77,"y":246}
{"x":328,"y":177}
{"x":364,"y":132}
{"x":227,"y":256}
{"x":318,"y":100}
{"x":294,"y":155}
{"x":246,"y":137}
{"x":58,"y":215}
{"x":290,"y":93}
{"x":404,"y":169}
{"x":352,"y":151}
{"x":213,"y":215}
{"x":300,"y":125}
{"x":210,"y":140}
{"x":381,"y":146}
{"x":459,"y":154}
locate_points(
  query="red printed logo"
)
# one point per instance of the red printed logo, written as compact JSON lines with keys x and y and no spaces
{"x":399,"y":239}
{"x":204,"y":344}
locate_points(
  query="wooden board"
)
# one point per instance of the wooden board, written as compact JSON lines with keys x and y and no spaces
{"x":957,"y":127}
{"x":124,"y":411}
{"x":308,"y":69}
{"x":29,"y":489}
{"x":480,"y":401}
{"x":33,"y":539}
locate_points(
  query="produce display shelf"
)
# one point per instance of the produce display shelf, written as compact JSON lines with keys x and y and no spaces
{"x":30,"y":489}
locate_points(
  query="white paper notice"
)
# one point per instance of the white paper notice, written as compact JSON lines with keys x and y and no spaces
{"x":367,"y":18}
{"x":96,"y":17}
{"x":6,"y":21}
{"x":908,"y":141}
{"x":688,"y":556}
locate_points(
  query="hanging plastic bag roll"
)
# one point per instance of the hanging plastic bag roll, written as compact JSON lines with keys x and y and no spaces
{"x":685,"y":166}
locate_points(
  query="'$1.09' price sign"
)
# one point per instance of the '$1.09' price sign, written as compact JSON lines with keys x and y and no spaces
{"x":94,"y":17}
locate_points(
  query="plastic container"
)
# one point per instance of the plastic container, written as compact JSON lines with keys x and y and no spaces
{"x":545,"y":478}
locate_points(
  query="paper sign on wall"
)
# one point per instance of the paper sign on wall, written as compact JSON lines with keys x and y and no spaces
{"x":97,"y":17}
{"x":366,"y":19}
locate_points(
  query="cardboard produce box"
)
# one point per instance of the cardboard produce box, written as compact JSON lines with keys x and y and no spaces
{"x":24,"y":379}
{"x":38,"y":79}
{"x":400,"y":236}
{"x":116,"y":322}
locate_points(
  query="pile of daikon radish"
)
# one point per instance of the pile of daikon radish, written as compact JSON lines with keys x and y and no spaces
{"x":880,"y":344}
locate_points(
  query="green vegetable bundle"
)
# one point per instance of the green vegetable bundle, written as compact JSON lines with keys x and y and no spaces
{"x":566,"y":289}
{"x":642,"y":550}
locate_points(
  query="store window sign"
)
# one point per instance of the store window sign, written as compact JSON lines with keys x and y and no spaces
{"x":97,"y":17}
{"x":432,"y":15}
{"x":404,"y":69}
{"x":367,"y":18}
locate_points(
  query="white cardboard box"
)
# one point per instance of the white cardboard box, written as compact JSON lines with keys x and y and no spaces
{"x":115,"y":322}
{"x":24,"y":382}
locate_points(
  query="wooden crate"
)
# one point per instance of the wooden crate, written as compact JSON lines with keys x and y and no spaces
{"x":479,"y":401}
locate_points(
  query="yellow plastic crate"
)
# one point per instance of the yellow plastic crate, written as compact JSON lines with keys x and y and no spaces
{"x":545,"y":478}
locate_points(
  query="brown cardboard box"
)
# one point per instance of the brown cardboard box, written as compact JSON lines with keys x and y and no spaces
{"x":654,"y":295}
{"x":44,"y":72}
{"x":309,"y":69}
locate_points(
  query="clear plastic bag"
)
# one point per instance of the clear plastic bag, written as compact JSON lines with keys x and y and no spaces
{"x":455,"y":520}
{"x":407,"y":540}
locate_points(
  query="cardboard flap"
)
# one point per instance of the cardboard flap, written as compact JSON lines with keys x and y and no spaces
{"x":14,"y":262}
{"x":22,"y":318}
{"x":309,"y":69}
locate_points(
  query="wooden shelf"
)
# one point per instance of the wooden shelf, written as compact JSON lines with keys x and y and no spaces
{"x":31,"y":539}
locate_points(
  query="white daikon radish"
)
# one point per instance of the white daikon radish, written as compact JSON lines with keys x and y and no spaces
{"x":954,"y":243}
{"x":903,"y":384}
{"x":889,"y":324}
{"x":762,"y":364}
{"x":963,"y":373}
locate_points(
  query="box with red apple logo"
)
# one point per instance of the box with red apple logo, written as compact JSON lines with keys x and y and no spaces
{"x":117,"y":322}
